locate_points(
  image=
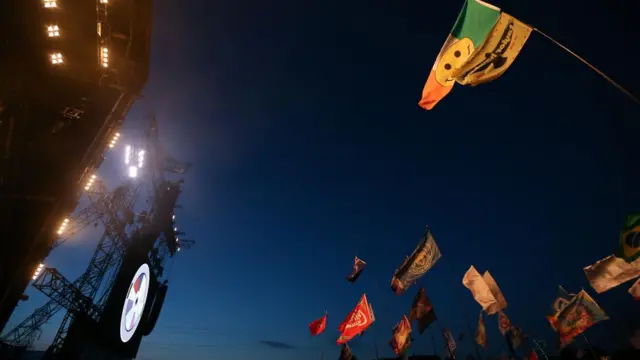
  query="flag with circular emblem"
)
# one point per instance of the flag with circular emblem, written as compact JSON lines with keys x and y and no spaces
{"x":630,"y":238}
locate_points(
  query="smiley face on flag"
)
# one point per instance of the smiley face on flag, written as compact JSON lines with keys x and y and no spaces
{"x":455,"y":55}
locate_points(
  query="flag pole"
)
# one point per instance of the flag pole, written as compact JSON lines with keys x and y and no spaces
{"x":589,"y":345}
{"x":433,"y":341}
{"x":540,"y":348}
{"x":475,"y":346}
{"x":592,"y":67}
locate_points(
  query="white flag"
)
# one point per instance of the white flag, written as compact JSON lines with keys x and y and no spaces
{"x":610,"y":272}
{"x":497,"y":293}
{"x":480,"y":290}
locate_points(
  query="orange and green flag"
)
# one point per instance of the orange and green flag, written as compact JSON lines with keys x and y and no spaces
{"x":496,"y":54}
{"x":475,"y":22}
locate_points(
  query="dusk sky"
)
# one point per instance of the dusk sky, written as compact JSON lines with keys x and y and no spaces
{"x":301,"y":120}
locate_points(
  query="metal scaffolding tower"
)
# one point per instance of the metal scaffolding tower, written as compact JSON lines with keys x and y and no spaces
{"x":87,"y":294}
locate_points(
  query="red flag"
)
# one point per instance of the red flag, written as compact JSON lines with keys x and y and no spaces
{"x":318,"y":326}
{"x":357,"y":321}
{"x":533,"y":355}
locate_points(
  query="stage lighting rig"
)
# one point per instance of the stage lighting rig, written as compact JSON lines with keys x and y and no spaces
{"x":104,"y":56}
{"x":56,"y":58}
{"x":134,"y":159}
{"x":38,"y":271}
{"x":53,"y":31}
{"x":90,"y":182}
{"x":113,"y":141}
{"x":63,"y":226}
{"x":50,"y":3}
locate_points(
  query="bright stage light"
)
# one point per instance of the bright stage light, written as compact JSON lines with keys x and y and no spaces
{"x":140,"y":158}
{"x":53,"y":31}
{"x":127,"y":154}
{"x":104,"y":56}
{"x":38,"y":271}
{"x":63,"y":226}
{"x":134,"y":303}
{"x":130,"y":160}
{"x":104,"y":1}
{"x":56,"y":58}
{"x":133,"y":171}
{"x":50,"y":3}
{"x":90,"y":182}
{"x":114,"y":140}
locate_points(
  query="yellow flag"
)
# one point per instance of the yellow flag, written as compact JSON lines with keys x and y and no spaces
{"x":496,"y":54}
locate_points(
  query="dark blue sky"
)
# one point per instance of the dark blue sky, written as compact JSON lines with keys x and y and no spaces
{"x":301,"y":118}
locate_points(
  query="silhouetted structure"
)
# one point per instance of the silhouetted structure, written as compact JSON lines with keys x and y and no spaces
{"x":69,"y":72}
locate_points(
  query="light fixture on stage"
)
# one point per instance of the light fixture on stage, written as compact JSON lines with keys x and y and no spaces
{"x":104,"y":1}
{"x":63,"y":226}
{"x":114,"y":140}
{"x":90,"y":182}
{"x":50,"y":3}
{"x":133,"y":171}
{"x":38,"y":271}
{"x":104,"y":56}
{"x":134,"y":303}
{"x":140,"y":158}
{"x":53,"y":31}
{"x":129,"y":152}
{"x":56,"y":58}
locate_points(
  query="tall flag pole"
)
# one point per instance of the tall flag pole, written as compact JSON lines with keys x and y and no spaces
{"x":375,"y":347}
{"x":592,"y":67}
{"x":540,"y":348}
{"x":475,"y":346}
{"x":433,"y":342}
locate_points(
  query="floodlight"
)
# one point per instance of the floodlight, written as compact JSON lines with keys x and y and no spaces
{"x":50,"y":3}
{"x":133,"y":171}
{"x":53,"y":31}
{"x":104,"y":56}
{"x":104,"y":1}
{"x":38,"y":271}
{"x":90,"y":182}
{"x":63,"y":226}
{"x":114,"y":140}
{"x":56,"y":58}
{"x":127,"y":154}
{"x":140,"y":158}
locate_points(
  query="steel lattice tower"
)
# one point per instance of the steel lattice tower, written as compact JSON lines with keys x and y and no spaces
{"x":87,"y":294}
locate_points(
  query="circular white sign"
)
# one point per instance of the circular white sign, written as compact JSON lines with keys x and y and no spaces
{"x":134,"y":303}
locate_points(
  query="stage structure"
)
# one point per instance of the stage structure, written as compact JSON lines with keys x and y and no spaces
{"x":118,"y":299}
{"x":69,"y":72}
